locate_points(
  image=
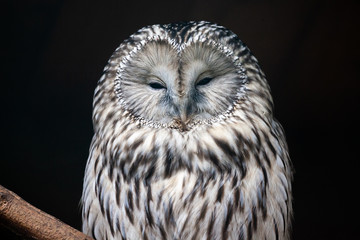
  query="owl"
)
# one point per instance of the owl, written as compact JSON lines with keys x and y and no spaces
{"x":185,"y":143}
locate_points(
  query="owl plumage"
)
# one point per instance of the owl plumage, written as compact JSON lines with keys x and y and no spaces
{"x":185,"y":143}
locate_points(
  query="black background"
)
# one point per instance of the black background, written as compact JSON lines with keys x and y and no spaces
{"x":53,"y":53}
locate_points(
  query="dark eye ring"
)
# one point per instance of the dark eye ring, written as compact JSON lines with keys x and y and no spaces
{"x":204,"y":81}
{"x":156,"y":85}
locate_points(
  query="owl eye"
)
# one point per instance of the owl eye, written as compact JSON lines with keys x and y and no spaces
{"x":156,"y":85}
{"x":204,"y":81}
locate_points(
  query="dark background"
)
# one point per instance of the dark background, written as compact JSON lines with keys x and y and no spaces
{"x":53,"y":53}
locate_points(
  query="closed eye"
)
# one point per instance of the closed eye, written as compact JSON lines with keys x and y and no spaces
{"x":156,"y":85}
{"x":204,"y":81}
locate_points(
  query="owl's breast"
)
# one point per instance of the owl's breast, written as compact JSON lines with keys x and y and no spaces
{"x":191,"y":206}
{"x":185,"y":186}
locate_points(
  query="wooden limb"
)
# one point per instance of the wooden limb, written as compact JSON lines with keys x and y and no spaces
{"x":30,"y":222}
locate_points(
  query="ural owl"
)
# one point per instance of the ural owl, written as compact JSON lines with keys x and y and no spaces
{"x":185,"y":144}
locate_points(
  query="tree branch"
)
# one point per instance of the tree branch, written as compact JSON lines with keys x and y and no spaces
{"x":30,"y":222}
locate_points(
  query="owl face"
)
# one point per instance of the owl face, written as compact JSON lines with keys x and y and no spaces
{"x":176,"y":83}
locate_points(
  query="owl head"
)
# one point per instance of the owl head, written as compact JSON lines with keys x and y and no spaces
{"x":181,"y":75}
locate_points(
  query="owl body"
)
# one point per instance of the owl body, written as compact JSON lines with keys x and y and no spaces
{"x":185,"y":144}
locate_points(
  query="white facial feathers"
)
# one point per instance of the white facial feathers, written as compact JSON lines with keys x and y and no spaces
{"x":171,"y":86}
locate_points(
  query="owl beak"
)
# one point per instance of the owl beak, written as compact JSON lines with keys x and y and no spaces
{"x":184,"y":118}
{"x":181,"y":112}
{"x":181,"y":119}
